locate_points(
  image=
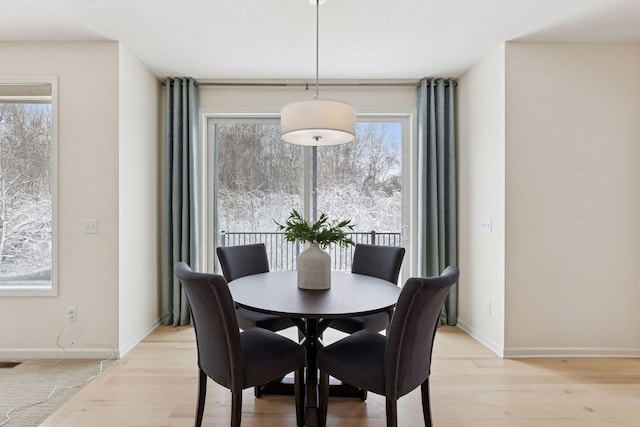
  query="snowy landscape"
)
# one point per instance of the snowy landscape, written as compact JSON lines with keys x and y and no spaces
{"x":25,"y":192}
{"x":260,"y":180}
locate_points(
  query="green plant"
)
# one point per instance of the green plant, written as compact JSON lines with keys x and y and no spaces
{"x":321,"y":232}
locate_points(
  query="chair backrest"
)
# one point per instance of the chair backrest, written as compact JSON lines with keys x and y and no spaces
{"x":383,"y":262}
{"x":412,"y":330}
{"x":215,"y":324}
{"x":243,"y":260}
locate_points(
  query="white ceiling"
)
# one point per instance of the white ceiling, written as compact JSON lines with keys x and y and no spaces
{"x":275,"y":39}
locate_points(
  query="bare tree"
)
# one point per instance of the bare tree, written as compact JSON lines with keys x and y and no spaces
{"x":371,"y":160}
{"x":25,"y":189}
{"x":260,"y":178}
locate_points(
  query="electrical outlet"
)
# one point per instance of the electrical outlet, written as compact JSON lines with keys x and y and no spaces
{"x":486,"y":226}
{"x":72,"y":314}
{"x":90,"y":226}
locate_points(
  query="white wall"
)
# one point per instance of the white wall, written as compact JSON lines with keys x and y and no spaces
{"x":99,"y":126}
{"x":571,"y":200}
{"x":88,"y":188}
{"x":139,"y":200}
{"x":481,"y":174}
{"x":366,"y":99}
{"x":271,"y":99}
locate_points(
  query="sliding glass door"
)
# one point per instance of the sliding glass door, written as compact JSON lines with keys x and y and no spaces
{"x":254,"y":179}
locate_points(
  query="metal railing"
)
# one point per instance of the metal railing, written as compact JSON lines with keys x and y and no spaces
{"x":283,"y":254}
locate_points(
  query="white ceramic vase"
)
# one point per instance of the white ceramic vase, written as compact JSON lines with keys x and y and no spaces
{"x":314,"y":268}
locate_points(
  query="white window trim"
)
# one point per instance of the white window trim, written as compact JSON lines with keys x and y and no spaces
{"x":207,"y":176}
{"x":409,"y":179}
{"x":42,"y":288}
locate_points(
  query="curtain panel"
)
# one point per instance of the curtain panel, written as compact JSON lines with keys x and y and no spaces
{"x":437,"y":212}
{"x":180,"y":195}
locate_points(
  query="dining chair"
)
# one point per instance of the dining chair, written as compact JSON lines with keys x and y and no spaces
{"x":395,"y":364}
{"x":243,"y":260}
{"x":383,"y":262}
{"x":235,"y":360}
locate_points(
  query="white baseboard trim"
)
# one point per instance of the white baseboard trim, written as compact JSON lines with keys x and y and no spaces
{"x":84,"y":352}
{"x":562,"y":352}
{"x":127,"y":347}
{"x":78,"y":351}
{"x":546,"y":352}
{"x":481,"y":338}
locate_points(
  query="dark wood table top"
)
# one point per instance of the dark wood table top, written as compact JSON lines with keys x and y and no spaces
{"x":350,"y":294}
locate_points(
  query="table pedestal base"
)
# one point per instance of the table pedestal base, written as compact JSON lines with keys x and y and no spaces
{"x":337,"y":388}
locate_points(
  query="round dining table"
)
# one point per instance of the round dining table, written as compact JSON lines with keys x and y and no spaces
{"x":312,"y":311}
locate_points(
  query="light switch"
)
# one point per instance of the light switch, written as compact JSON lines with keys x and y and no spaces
{"x":486,"y":226}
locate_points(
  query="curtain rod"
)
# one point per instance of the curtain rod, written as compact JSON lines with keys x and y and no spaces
{"x":306,"y":84}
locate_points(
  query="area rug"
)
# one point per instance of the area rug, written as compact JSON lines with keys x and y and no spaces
{"x":33,"y":390}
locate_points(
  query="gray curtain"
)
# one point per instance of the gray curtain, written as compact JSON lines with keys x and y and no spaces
{"x":180,"y":202}
{"x":437,"y":219}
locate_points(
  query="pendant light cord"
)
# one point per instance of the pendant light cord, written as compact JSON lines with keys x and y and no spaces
{"x":317,"y":43}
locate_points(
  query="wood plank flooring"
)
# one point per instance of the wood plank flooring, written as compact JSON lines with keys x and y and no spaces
{"x":155,"y":385}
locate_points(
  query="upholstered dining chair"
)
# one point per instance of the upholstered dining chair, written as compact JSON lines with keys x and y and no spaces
{"x":243,"y":260}
{"x":395,"y":364}
{"x":383,"y":262}
{"x":235,"y":360}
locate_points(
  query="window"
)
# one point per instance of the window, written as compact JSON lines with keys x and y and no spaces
{"x":27,"y":187}
{"x":254,"y":178}
{"x":363,"y":180}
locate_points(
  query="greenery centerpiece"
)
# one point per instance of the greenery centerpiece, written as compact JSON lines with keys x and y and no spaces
{"x":314,"y":264}
{"x":321,"y":232}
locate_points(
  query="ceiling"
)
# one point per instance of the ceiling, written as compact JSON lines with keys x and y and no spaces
{"x":275,"y":39}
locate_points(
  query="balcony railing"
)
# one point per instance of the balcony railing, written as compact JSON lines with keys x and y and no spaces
{"x":283,"y":254}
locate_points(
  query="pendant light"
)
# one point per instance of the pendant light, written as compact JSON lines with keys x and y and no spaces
{"x":318,"y":122}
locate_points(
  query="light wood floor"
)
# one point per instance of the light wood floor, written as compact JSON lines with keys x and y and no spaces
{"x":155,"y":385}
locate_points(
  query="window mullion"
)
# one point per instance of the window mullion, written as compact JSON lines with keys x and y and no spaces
{"x":314,"y":184}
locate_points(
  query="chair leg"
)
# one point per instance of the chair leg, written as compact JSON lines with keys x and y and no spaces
{"x":298,"y":391}
{"x":257,"y":391}
{"x":392,"y":412}
{"x":236,"y":408}
{"x":202,"y":394}
{"x":323,"y":391}
{"x":426,"y":405}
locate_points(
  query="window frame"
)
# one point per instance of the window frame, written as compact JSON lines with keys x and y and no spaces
{"x":409,"y":176}
{"x":41,"y":287}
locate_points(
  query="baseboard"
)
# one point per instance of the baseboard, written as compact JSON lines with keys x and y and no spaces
{"x":481,"y":338}
{"x":126,"y":348}
{"x":78,"y":351}
{"x":565,"y":352}
{"x":84,"y":352}
{"x":545,"y":352}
